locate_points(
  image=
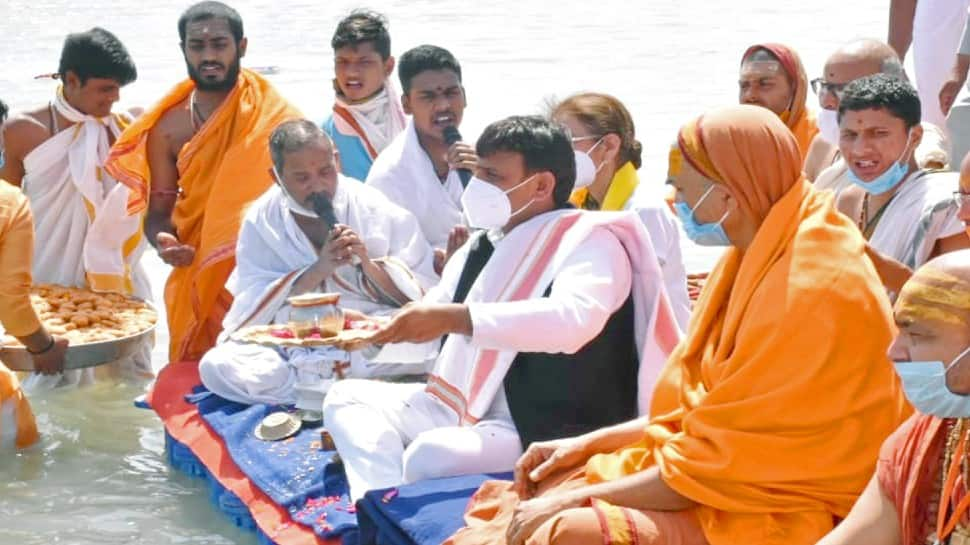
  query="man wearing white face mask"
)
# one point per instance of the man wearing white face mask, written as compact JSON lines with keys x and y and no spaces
{"x":365,"y":248}
{"x":554,"y":324}
{"x":919,"y":491}
{"x":906,"y":213}
{"x":854,"y":60}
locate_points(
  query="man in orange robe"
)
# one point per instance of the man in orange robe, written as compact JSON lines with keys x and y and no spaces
{"x":767,"y":419}
{"x":194,"y":162}
{"x":772,"y":76}
{"x":17,"y":316}
{"x":919,"y":492}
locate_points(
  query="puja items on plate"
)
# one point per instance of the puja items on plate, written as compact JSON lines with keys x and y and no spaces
{"x":83,"y":316}
{"x":315,"y":314}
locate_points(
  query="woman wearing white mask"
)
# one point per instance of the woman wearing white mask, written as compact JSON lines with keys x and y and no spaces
{"x":922,"y":467}
{"x":607,"y":159}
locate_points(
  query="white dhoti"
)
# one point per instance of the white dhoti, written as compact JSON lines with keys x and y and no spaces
{"x":84,"y":236}
{"x":406,"y":435}
{"x":271,"y":254}
{"x":937,"y":28}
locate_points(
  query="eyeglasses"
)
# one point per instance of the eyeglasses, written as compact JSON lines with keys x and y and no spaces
{"x":820,"y":86}
{"x":575,"y":139}
{"x":961,"y":199}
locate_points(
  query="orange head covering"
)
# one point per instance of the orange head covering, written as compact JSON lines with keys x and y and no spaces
{"x":770,"y":413}
{"x":798,"y":118}
{"x":755,"y":155}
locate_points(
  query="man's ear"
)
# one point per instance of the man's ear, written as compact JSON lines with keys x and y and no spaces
{"x":545,"y":185}
{"x":389,"y":66}
{"x":242,"y":46}
{"x":336,"y":159}
{"x":917,"y":136}
{"x":71,"y":80}
{"x":272,"y":175}
{"x":406,"y":104}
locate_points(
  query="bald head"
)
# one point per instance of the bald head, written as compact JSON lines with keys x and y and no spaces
{"x":860,"y":58}
{"x":933,"y":316}
{"x":939,"y":291}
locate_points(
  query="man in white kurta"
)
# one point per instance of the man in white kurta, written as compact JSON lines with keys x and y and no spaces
{"x":275,"y":253}
{"x":405,"y":173}
{"x":544,"y":283}
{"x":84,"y":236}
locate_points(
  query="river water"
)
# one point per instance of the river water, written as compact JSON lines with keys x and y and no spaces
{"x":99,"y":475}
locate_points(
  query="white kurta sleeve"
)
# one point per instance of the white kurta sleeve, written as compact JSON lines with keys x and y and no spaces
{"x":592,"y":284}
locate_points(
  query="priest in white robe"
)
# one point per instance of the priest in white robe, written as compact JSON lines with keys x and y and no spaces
{"x":541,"y":314}
{"x":374,"y":256}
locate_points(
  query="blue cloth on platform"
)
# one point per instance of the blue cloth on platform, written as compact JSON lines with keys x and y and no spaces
{"x":355,"y":162}
{"x":295,"y":473}
{"x":422,"y":513}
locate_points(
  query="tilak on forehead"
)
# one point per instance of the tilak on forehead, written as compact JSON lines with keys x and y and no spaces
{"x":932,"y":294}
{"x":690,"y":147}
{"x":762,"y":62}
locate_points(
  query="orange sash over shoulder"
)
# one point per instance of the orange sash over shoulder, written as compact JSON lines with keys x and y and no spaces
{"x":771,"y":413}
{"x":222,"y":170}
{"x":800,"y":120}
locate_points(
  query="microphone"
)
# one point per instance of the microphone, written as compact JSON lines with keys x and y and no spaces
{"x":323,"y":206}
{"x":452,"y":135}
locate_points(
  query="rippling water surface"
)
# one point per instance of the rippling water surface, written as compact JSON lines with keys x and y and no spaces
{"x":99,"y":476}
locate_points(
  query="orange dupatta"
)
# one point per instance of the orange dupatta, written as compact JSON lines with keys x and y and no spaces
{"x":222,"y":169}
{"x":770,"y":414}
{"x":800,"y":120}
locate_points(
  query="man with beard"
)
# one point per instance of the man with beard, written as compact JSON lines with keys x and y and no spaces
{"x":194,"y":163}
{"x":56,"y":152}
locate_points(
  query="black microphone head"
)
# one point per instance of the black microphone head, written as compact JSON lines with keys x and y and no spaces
{"x":451,"y":134}
{"x":323,"y":206}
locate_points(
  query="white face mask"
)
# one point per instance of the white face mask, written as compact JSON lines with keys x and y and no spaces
{"x":828,"y":126}
{"x":292,"y":203}
{"x":488,"y":207}
{"x":586,"y":170}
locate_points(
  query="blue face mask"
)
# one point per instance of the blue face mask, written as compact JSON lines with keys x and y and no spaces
{"x":925,"y":385}
{"x":887,"y":180}
{"x":704,"y":234}
{"x":3,"y":157}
